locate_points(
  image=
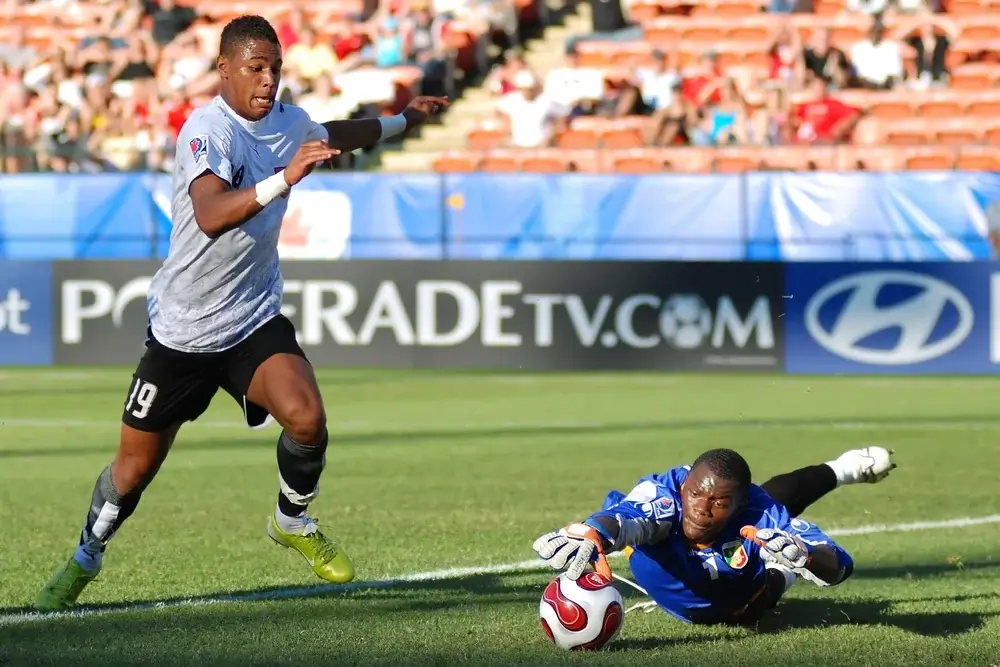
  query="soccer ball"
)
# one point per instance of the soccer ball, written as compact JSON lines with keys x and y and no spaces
{"x":581,"y":615}
{"x":685,"y":320}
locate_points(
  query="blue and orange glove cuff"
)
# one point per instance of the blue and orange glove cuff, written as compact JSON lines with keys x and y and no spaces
{"x":601,"y":530}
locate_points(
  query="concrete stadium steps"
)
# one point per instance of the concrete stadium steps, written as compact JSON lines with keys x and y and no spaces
{"x":477,"y":104}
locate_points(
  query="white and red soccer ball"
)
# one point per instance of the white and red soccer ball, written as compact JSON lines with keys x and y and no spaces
{"x":581,"y":615}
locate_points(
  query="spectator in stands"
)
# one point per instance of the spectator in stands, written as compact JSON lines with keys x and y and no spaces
{"x":609,"y":22}
{"x":16,"y":53}
{"x":324,"y":101}
{"x":569,"y":85}
{"x":870,"y":7}
{"x":929,"y":36}
{"x":791,"y":6}
{"x":823,"y":119}
{"x":825,"y":61}
{"x":786,"y":56}
{"x":768,"y":115}
{"x":701,"y":82}
{"x":877,"y":61}
{"x":185,"y":65}
{"x":169,"y":20}
{"x":387,"y":48}
{"x":133,"y":65}
{"x":17,"y":129}
{"x":533,"y":118}
{"x":291,"y":28}
{"x":424,"y":44}
{"x":724,"y":122}
{"x":500,"y":80}
{"x":660,"y":88}
{"x":311,"y":58}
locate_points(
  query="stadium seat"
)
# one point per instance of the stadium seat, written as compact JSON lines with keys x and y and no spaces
{"x":928,"y":158}
{"x":978,"y":158}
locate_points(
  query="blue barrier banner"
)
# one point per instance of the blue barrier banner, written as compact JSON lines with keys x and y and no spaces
{"x":25,"y":313}
{"x":772,"y":216}
{"x":882,"y":318}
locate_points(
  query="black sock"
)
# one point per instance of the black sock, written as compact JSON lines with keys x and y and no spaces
{"x":800,"y":488}
{"x":108,"y":511}
{"x":300,"y":467}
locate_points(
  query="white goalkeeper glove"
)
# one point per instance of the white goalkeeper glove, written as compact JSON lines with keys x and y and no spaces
{"x":573,"y":548}
{"x":777,"y":546}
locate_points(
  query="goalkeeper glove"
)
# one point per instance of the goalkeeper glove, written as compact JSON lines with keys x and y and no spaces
{"x":777,"y":546}
{"x":573,"y":548}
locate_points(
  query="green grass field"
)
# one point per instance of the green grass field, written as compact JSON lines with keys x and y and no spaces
{"x":431,"y":471}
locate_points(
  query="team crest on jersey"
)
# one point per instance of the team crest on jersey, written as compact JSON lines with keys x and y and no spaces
{"x":659,"y":509}
{"x":199,"y":146}
{"x":735,"y":555}
{"x":278,"y":170}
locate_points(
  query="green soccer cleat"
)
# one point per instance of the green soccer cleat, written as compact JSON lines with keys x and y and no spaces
{"x":327,"y":559}
{"x":65,"y":587}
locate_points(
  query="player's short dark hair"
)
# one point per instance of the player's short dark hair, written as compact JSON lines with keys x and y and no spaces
{"x":245,"y":28}
{"x":727,"y":464}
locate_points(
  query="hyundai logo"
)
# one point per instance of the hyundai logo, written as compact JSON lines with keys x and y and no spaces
{"x":916,"y":318}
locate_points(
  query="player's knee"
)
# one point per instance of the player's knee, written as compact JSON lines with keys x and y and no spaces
{"x":306,"y":424}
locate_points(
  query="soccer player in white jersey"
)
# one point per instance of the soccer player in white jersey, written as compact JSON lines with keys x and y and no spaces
{"x":214,"y":305}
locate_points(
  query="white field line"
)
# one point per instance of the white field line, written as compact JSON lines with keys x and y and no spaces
{"x":680,"y":424}
{"x":533,"y":565}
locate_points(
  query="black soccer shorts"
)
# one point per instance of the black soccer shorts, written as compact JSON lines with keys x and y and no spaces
{"x":170,"y":387}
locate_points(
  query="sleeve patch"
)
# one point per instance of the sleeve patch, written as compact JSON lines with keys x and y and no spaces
{"x":199,"y":147}
{"x":659,"y":509}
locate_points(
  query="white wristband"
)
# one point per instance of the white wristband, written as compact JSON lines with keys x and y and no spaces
{"x":271,"y":188}
{"x":392,"y":125}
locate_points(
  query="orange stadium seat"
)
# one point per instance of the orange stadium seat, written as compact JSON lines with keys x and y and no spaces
{"x":978,"y":158}
{"x":940,"y":108}
{"x":734,"y":160}
{"x":486,"y":137}
{"x":928,"y":158}
{"x":500,"y":163}
{"x":574,"y":138}
{"x":455,"y":163}
{"x":957,"y":132}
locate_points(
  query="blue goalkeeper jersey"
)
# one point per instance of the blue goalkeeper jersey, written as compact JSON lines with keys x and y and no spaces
{"x":700,"y":583}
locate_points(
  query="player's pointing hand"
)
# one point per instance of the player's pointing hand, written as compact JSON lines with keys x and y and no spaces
{"x":310,"y":154}
{"x":421,"y":108}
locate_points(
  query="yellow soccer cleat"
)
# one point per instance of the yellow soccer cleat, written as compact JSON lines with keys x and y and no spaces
{"x":327,"y":559}
{"x":65,"y":587}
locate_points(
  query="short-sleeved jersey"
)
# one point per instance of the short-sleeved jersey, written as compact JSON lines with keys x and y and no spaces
{"x":211,"y":294}
{"x":700,"y":583}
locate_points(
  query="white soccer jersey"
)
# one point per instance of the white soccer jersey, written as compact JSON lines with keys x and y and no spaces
{"x":210,"y":294}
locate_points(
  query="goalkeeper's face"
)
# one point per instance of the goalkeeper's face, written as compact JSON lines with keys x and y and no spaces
{"x":708,"y":502}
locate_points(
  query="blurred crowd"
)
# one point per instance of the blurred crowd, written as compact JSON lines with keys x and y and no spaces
{"x":107,"y":84}
{"x":792,"y":97}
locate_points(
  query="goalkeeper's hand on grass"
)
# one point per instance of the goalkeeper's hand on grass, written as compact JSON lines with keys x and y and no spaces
{"x":573,"y":548}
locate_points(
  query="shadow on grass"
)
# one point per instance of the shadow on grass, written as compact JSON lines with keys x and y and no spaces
{"x":471,"y":435}
{"x":438,"y":622}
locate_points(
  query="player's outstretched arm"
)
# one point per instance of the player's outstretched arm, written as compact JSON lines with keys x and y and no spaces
{"x":350,"y":135}
{"x":219,"y":208}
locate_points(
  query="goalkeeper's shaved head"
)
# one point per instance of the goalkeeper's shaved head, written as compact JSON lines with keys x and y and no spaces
{"x":715,"y":490}
{"x":727,"y":464}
